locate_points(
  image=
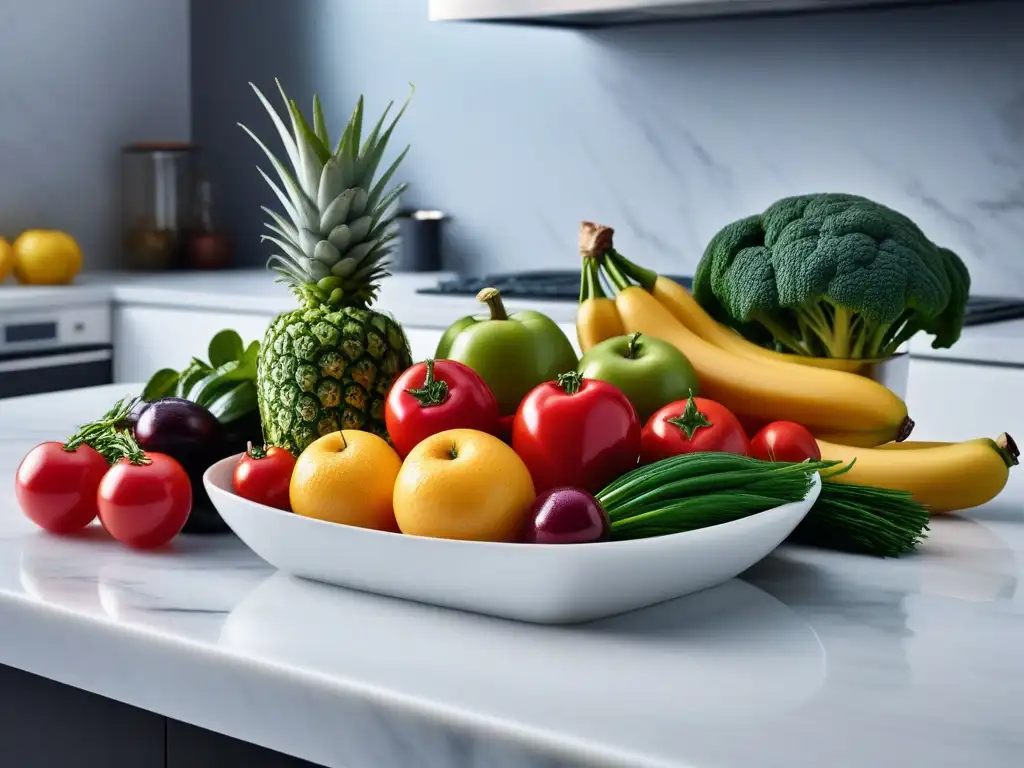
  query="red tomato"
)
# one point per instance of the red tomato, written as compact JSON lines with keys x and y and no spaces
{"x":56,"y":488}
{"x":576,"y":432}
{"x":785,"y":441}
{"x":146,"y":504}
{"x":692,"y":426}
{"x":434,"y":396}
{"x":263,"y":475}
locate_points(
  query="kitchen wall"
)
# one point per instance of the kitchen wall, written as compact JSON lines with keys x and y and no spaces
{"x":78,"y":79}
{"x":665,"y":132}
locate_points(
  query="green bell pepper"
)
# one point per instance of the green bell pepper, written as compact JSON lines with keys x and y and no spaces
{"x":512,"y":353}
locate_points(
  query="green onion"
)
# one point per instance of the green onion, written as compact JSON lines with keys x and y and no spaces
{"x":697,"y":490}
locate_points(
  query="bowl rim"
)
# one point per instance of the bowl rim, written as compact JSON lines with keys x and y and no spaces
{"x":214,"y":488}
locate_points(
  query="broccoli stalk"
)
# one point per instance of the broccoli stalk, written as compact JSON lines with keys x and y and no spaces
{"x":832,"y":276}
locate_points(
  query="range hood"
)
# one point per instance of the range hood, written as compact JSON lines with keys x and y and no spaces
{"x":597,"y":13}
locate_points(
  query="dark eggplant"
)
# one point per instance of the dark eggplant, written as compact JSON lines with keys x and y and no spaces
{"x":190,"y":434}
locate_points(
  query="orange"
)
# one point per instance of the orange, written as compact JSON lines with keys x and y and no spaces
{"x":46,"y":257}
{"x":463,"y":484}
{"x":346,"y":477}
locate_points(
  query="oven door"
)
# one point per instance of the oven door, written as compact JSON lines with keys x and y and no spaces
{"x":35,"y":372}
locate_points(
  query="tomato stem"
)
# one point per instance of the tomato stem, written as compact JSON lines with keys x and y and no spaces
{"x":256,"y":451}
{"x":631,"y":349}
{"x":691,"y":419}
{"x":492,"y":298}
{"x":570,"y":382}
{"x":433,"y":392}
{"x":98,"y":434}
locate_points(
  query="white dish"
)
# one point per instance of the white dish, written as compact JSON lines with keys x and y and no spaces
{"x":542,"y":583}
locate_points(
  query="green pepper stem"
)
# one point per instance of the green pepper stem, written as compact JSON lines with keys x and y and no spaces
{"x":433,"y":392}
{"x":492,"y":298}
{"x":590,"y":281}
{"x":631,"y":349}
{"x":645,"y":277}
{"x":570,"y":382}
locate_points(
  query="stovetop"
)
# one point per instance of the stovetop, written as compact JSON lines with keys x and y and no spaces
{"x":564,"y":285}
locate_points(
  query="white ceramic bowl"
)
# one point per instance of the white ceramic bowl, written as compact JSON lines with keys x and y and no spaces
{"x":543,"y":583}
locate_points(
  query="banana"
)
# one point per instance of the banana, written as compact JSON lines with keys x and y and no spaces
{"x":597,"y":318}
{"x":876,"y":438}
{"x":824,"y":401}
{"x":945,"y":477}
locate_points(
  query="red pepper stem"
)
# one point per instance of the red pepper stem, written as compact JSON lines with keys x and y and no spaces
{"x":570,"y":382}
{"x":492,"y":298}
{"x":433,"y":392}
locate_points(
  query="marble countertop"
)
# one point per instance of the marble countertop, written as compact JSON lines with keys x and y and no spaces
{"x":813,"y":658}
{"x":252,"y":291}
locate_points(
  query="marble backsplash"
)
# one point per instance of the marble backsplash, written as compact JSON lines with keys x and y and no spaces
{"x":664,"y":132}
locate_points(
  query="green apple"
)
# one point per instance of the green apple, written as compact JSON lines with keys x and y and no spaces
{"x":651,"y":372}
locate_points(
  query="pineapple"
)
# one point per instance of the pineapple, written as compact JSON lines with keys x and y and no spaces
{"x":329,"y":364}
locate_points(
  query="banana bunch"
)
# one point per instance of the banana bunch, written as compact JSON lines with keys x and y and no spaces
{"x":944,"y":477}
{"x":756,"y":384}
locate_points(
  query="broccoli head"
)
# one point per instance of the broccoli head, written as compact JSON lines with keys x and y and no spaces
{"x":832,"y":275}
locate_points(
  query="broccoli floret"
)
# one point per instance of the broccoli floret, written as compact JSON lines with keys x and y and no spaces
{"x":832,"y":275}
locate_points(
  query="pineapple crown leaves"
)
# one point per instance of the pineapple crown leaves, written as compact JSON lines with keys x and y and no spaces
{"x":338,"y":229}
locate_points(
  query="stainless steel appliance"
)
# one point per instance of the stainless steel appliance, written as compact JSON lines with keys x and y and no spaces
{"x":564,"y":285}
{"x":49,"y":349}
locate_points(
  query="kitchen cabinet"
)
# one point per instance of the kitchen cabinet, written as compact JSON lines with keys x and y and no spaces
{"x":148,"y":338}
{"x":49,"y":725}
{"x":600,"y":13}
{"x":46,"y":724}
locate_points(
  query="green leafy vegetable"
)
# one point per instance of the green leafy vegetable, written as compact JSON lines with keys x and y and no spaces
{"x":225,"y":347}
{"x":832,"y":275}
{"x":697,"y":490}
{"x":226,"y":385}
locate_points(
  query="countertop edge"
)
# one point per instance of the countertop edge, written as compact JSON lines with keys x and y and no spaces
{"x":212,"y":689}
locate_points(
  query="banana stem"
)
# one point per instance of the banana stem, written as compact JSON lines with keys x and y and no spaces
{"x":614,"y":274}
{"x":1008,"y":449}
{"x":645,"y":277}
{"x":590,"y":281}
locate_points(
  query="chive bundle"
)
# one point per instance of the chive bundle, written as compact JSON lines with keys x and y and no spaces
{"x":697,"y":490}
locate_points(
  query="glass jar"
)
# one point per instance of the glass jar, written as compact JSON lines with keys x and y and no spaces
{"x":158,"y":181}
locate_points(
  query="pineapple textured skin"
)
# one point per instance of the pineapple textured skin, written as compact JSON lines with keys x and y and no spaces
{"x":329,"y":364}
{"x":324,"y":369}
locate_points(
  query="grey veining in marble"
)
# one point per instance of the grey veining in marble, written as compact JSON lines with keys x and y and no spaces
{"x":666,"y":132}
{"x":813,"y":658}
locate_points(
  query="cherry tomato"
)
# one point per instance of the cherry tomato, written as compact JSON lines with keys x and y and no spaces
{"x":56,"y":487}
{"x":144,"y":500}
{"x":576,"y":432}
{"x":434,"y":396}
{"x":263,"y":475}
{"x":691,"y":426}
{"x":785,"y":441}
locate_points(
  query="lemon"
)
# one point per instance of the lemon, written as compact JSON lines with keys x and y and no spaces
{"x":46,"y":257}
{"x":6,"y":259}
